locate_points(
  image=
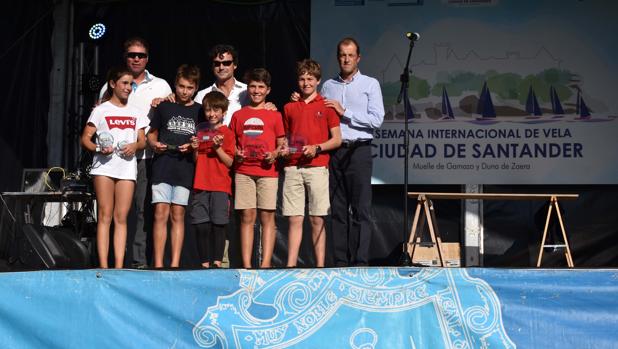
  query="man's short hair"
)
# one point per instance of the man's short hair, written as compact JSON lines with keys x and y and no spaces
{"x":136,"y":41}
{"x":215,"y":100}
{"x":189,"y":72}
{"x":258,"y":75}
{"x":348,"y":41}
{"x":220,"y":49}
{"x":309,"y":66}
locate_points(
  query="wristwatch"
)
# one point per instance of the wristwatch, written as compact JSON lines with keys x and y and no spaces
{"x":318,"y":149}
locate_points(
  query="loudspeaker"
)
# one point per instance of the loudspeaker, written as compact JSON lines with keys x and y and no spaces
{"x":75,"y":250}
{"x":38,"y":249}
{"x":50,"y":248}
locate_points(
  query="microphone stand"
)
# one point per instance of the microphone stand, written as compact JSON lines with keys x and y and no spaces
{"x":404,"y":259}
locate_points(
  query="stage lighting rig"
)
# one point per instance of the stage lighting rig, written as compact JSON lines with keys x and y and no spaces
{"x":97,"y":31}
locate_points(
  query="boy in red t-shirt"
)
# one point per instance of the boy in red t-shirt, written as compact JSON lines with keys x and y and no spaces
{"x":214,"y":149}
{"x":313,"y":130}
{"x":259,"y":139}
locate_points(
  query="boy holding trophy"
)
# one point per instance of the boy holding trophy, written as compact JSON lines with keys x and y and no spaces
{"x":171,"y":128}
{"x":259,"y":138}
{"x":313,"y":130}
{"x":214,"y":147}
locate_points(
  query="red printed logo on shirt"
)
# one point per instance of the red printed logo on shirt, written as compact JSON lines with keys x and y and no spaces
{"x":253,"y":127}
{"x":121,"y":122}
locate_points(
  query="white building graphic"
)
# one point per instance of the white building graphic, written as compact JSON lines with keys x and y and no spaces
{"x":447,"y":59}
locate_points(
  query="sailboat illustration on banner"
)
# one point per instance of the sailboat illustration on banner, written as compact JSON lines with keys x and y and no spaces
{"x":532,"y":105}
{"x":581,"y":108}
{"x":584,"y":113}
{"x":485,"y":106}
{"x":556,"y":106}
{"x":447,"y":111}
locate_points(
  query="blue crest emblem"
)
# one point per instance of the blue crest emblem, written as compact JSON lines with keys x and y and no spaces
{"x":355,"y":308}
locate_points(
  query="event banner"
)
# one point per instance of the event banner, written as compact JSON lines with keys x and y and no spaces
{"x":502,"y":92}
{"x":310,"y":308}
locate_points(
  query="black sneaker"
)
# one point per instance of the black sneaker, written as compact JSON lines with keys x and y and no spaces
{"x":139,"y":266}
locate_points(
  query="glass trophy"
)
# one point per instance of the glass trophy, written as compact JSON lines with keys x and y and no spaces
{"x":169,"y":147}
{"x":295,"y":145}
{"x":205,"y":134}
{"x":105,"y":140}
{"x":119,"y":148}
{"x":254,"y":149}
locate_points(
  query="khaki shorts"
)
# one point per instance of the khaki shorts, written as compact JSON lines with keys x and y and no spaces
{"x":313,"y":180}
{"x":255,"y":192}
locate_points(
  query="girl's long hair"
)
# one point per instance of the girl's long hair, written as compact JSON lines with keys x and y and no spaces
{"x":114,"y":74}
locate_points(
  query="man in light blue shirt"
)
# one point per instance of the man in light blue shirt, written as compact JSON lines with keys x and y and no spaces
{"x":357,"y":99}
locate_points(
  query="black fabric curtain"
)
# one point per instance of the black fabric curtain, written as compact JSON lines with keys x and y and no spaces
{"x":269,"y":34}
{"x":25,"y":65}
{"x":513,"y":229}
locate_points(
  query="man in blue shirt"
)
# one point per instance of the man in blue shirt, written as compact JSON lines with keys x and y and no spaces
{"x":357,"y":99}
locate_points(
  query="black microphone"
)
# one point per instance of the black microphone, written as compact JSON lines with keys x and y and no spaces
{"x":413,"y":36}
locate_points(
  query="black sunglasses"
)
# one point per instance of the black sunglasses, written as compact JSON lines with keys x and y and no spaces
{"x":137,"y":55}
{"x":225,"y":63}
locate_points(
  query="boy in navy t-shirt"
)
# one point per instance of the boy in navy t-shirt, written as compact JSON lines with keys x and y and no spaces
{"x":171,"y":130}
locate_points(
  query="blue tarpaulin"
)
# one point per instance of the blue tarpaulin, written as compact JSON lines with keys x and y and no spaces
{"x":310,"y":308}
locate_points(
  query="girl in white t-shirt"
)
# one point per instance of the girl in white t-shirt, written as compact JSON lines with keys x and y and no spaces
{"x":119,"y":130}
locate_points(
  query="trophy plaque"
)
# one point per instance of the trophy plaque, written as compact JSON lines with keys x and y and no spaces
{"x":205,"y":134}
{"x":295,"y":145}
{"x":254,"y":149}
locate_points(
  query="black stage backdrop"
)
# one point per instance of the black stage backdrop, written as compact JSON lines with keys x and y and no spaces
{"x":274,"y":35}
{"x":270,"y":34}
{"x":513,"y":229}
{"x":25,"y":64}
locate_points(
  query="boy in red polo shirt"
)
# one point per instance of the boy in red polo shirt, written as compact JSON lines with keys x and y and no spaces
{"x":214,"y":156}
{"x":259,"y":138}
{"x":313,"y":130}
